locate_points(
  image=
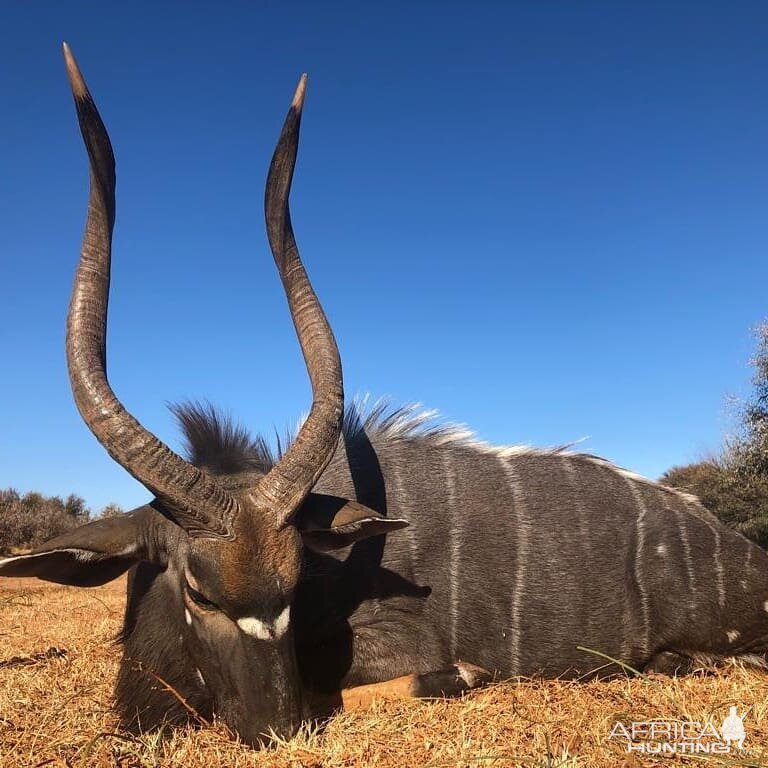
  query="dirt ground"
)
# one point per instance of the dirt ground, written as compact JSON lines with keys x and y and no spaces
{"x":58,"y":665}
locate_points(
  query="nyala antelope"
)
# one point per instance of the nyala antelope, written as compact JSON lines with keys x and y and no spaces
{"x":378,"y":552}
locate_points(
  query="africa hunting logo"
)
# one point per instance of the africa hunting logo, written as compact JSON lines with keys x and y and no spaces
{"x":683,"y":737}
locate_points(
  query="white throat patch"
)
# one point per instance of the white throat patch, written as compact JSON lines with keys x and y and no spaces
{"x":266,"y":630}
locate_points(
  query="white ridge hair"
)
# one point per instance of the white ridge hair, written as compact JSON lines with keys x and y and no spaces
{"x":413,"y":422}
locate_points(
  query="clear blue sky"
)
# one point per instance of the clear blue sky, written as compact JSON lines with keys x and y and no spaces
{"x":547,"y":220}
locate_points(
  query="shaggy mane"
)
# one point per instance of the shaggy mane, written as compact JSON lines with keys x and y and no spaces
{"x":212,"y":440}
{"x":215,"y":442}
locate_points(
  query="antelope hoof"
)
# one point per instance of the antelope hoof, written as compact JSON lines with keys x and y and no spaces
{"x":454,"y":681}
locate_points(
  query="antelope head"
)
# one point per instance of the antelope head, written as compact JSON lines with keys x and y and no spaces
{"x":230,"y":548}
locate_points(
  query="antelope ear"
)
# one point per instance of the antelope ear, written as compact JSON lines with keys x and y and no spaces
{"x":330,"y":522}
{"x":97,"y":552}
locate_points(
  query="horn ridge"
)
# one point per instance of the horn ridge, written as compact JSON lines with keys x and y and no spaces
{"x":286,"y":485}
{"x":197,"y":503}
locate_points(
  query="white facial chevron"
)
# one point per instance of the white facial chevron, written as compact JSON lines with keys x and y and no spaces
{"x":266,"y":630}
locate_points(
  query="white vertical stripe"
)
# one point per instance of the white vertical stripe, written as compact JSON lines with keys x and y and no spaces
{"x":521,"y":538}
{"x":746,"y":579}
{"x":642,"y":512}
{"x":402,"y":508}
{"x":455,"y":528}
{"x":719,"y":568}
{"x":629,"y":613}
{"x":718,"y":556}
{"x":686,"y":554}
{"x":575,"y":493}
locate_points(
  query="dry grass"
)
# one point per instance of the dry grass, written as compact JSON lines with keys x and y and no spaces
{"x":56,"y":709}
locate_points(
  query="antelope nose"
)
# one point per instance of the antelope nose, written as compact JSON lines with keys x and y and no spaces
{"x":271,"y":737}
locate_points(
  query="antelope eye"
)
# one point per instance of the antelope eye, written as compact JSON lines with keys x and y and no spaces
{"x":199,"y":599}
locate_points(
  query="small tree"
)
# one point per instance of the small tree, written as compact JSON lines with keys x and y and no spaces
{"x":75,"y":506}
{"x":111,"y":510}
{"x":735,"y":485}
{"x":747,"y":453}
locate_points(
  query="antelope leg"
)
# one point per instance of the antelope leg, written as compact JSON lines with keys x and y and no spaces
{"x":669,"y":663}
{"x":443,"y":683}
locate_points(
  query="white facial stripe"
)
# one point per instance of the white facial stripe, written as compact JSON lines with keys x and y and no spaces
{"x":192,"y":581}
{"x":255,"y":627}
{"x":282,"y":621}
{"x":188,"y":616}
{"x":266,"y":630}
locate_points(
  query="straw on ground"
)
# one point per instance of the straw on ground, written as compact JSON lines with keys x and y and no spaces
{"x":55,"y":708}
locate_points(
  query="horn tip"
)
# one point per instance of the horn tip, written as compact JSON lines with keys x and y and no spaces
{"x":298,"y":98}
{"x":76,"y":81}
